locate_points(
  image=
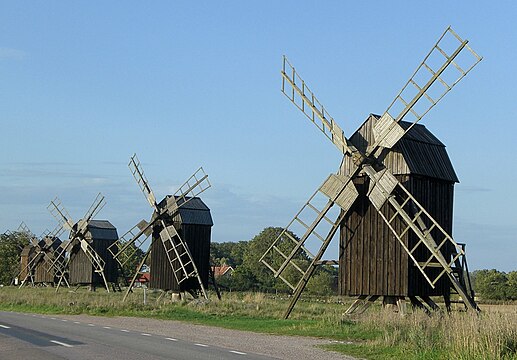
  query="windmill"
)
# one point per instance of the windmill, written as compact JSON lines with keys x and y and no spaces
{"x":429,"y":249}
{"x":179,"y":261}
{"x":40,"y":260}
{"x":27,"y":255}
{"x":87,"y":259}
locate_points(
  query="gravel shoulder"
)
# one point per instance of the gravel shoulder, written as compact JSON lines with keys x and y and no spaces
{"x":282,"y":347}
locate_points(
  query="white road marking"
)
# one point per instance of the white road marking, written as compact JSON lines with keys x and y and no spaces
{"x":237,"y":352}
{"x":171,"y":339}
{"x":61,"y":343}
{"x":144,"y":334}
{"x":76,"y":322}
{"x":65,"y":320}
{"x":106,"y":327}
{"x":52,"y":318}
{"x":124,"y":330}
{"x":91,"y":324}
{"x":202,"y":345}
{"x":5,"y":327}
{"x":34,"y":315}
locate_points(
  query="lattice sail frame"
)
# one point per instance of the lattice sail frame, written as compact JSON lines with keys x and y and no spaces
{"x":426,"y":87}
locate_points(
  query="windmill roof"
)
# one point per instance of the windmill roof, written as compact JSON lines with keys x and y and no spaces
{"x":102,"y":229}
{"x":422,"y":152}
{"x":195,"y":212}
{"x":49,"y":242}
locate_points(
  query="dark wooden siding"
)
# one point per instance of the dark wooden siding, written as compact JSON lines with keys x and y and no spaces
{"x":197,"y":238}
{"x":371,"y":258}
{"x":372,"y":261}
{"x":80,"y":268}
{"x":437,"y":198}
{"x":41,"y":275}
{"x":26,"y":256}
{"x":110,"y":267}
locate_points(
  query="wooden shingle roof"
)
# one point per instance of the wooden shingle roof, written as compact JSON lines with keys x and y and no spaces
{"x":194,"y":212}
{"x":419,"y":152}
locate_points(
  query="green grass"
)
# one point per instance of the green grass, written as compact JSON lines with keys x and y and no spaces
{"x":377,"y":334}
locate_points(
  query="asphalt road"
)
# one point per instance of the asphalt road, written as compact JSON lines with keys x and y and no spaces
{"x":31,"y":336}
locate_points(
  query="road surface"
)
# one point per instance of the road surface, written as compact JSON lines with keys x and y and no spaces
{"x":26,"y":336}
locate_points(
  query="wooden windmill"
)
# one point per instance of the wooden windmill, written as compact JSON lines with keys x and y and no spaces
{"x":366,"y":189}
{"x":88,"y":261}
{"x":41,"y":259}
{"x":27,"y":255}
{"x":179,"y":252}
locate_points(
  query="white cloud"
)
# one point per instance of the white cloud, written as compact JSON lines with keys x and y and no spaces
{"x":8,"y":53}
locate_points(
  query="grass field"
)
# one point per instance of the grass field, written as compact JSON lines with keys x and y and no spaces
{"x":376,"y":334}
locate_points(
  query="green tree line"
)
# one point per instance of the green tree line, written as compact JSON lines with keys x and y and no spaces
{"x":495,"y":285}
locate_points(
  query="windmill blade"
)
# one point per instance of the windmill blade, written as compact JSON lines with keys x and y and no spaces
{"x":11,"y":234}
{"x":63,"y":249}
{"x":29,"y":268}
{"x":419,"y":95}
{"x":312,"y":266}
{"x":45,"y":233}
{"x":59,"y":212}
{"x":24,"y":229}
{"x":303,"y":98}
{"x":288,"y":253}
{"x":58,"y":261}
{"x":194,"y":186}
{"x":49,"y":259}
{"x":94,"y":209}
{"x":386,"y":189}
{"x":141,"y":180}
{"x":96,"y":260}
{"x":25,"y":270}
{"x":125,"y":248}
{"x":57,"y":232}
{"x":178,"y":253}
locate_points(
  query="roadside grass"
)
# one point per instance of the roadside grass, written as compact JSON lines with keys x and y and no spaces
{"x":376,"y":334}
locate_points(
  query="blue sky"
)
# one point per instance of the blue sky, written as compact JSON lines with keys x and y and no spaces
{"x":85,"y":85}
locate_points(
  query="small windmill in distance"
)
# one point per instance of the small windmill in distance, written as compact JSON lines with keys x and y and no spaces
{"x":39,"y":257}
{"x":87,"y":260}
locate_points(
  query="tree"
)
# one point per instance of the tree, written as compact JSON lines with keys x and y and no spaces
{"x":11,"y":246}
{"x":131,"y":265}
{"x":228,"y":253}
{"x":512,"y":285}
{"x":323,"y":281}
{"x":491,"y":284}
{"x":260,"y":274}
{"x":242,"y":279}
{"x":256,"y":247}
